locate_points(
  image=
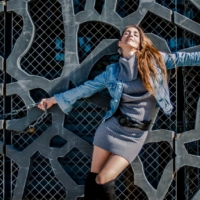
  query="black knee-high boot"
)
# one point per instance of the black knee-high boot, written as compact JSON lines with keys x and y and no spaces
{"x":90,"y":187}
{"x":106,"y":191}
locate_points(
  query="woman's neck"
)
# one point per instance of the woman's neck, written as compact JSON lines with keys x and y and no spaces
{"x":128,"y":54}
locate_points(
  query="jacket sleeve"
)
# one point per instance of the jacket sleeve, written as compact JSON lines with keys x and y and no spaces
{"x":181,"y":59}
{"x":66,"y":99}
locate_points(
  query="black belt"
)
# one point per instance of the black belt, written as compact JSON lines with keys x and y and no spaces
{"x":131,"y":122}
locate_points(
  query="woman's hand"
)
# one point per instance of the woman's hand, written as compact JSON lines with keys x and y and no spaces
{"x":47,"y":103}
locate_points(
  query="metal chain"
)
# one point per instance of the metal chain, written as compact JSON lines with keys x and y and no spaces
{"x":39,"y":120}
{"x":25,"y":108}
{"x":15,"y":112}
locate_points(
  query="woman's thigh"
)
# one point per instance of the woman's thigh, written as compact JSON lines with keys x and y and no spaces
{"x":99,"y":158}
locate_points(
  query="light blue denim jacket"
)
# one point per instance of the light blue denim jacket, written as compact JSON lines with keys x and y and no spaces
{"x":108,"y":80}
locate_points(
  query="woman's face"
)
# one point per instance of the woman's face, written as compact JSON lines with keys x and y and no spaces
{"x":130,"y":39}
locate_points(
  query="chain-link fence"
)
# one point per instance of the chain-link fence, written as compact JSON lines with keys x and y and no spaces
{"x":191,"y":95}
{"x":46,"y":56}
{"x":2,"y":99}
{"x":53,"y":40}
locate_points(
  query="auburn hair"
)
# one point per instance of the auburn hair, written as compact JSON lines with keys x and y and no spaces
{"x":148,"y":57}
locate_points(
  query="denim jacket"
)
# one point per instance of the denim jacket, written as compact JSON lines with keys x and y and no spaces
{"x":108,"y":80}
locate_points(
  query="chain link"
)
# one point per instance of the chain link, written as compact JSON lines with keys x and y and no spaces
{"x":15,"y":112}
{"x":25,"y":108}
{"x":39,"y":120}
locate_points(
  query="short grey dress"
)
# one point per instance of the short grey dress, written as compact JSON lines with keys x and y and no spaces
{"x":135,"y":102}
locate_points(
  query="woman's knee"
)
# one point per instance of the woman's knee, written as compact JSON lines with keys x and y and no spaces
{"x":103,"y":178}
{"x":100,"y":179}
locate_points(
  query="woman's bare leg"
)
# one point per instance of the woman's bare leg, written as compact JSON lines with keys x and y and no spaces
{"x":105,"y":167}
{"x":111,"y":169}
{"x":99,"y":158}
{"x":105,"y":179}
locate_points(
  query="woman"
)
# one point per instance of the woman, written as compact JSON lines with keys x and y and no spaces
{"x":137,"y":84}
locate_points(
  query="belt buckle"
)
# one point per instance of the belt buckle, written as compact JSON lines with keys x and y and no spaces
{"x":123,"y":120}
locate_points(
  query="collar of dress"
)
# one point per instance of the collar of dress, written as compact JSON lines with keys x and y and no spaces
{"x":128,"y":69}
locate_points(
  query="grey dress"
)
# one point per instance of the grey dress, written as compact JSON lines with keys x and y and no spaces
{"x":135,"y":102}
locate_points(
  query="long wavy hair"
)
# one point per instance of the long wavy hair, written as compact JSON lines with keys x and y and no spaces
{"x":148,"y":57}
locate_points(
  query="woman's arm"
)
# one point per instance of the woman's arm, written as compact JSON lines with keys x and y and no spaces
{"x":181,"y":59}
{"x":66,"y":99}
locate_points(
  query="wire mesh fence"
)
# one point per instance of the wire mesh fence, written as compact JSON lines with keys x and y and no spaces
{"x":126,"y":7}
{"x":45,"y":58}
{"x":2,"y":29}
{"x":2,"y":55}
{"x":125,"y":188}
{"x":22,"y":139}
{"x":42,"y":182}
{"x":90,"y":34}
{"x":155,"y":157}
{"x":76,"y":164}
{"x":171,"y":4}
{"x":192,"y":92}
{"x":79,"y":5}
{"x":2,"y":176}
{"x":188,"y":9}
{"x":17,"y":25}
{"x":99,"y":6}
{"x":191,"y":95}
{"x":14,"y":176}
{"x":84,"y":119}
